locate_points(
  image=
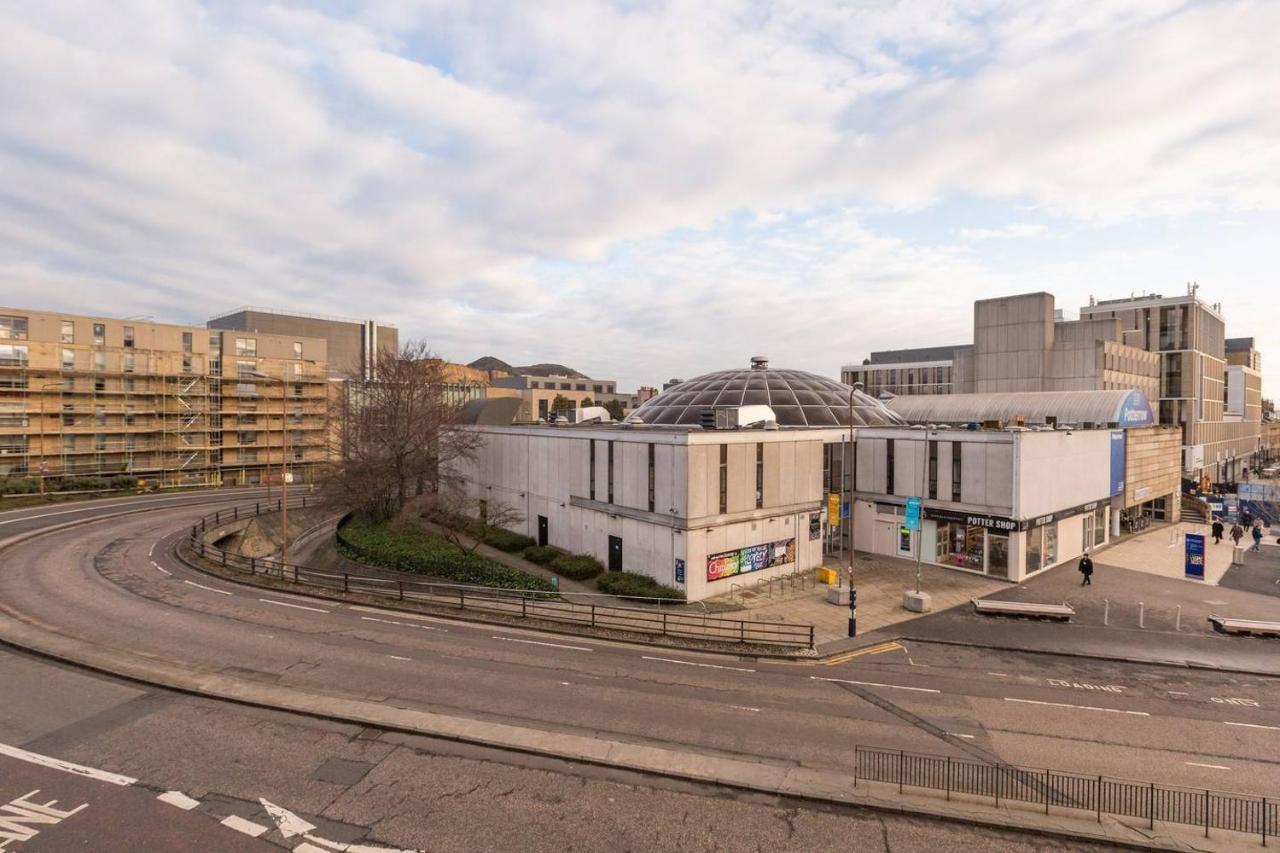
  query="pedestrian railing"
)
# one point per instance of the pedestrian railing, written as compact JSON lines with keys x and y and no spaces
{"x":524,"y":604}
{"x":1049,"y":789}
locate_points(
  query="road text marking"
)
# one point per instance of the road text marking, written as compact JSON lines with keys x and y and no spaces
{"x":1234,"y":700}
{"x":1078,"y":707}
{"x":65,"y":766}
{"x":694,"y":663}
{"x":211,"y":589}
{"x":19,"y":817}
{"x":295,"y":606}
{"x":540,"y":643}
{"x":1084,"y":685}
{"x":179,"y":799}
{"x":876,"y":684}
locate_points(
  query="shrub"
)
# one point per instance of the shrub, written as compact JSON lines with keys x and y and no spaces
{"x":19,"y":486}
{"x":541,"y":554}
{"x":412,"y":549}
{"x":504,"y":540}
{"x":630,"y":583}
{"x":579,"y":567}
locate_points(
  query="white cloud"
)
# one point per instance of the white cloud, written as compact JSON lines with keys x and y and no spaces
{"x":1012,"y":230}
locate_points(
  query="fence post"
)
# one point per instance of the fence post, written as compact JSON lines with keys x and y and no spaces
{"x":664,"y":623}
{"x":217,"y":516}
{"x":1206,"y":813}
{"x":257,"y":508}
{"x":224,"y":559}
{"x":948,"y":777}
{"x":1151,"y":803}
{"x":742,"y":631}
{"x":253,"y":565}
{"x":346,"y":582}
{"x":304,"y":501}
{"x":1099,"y":798}
{"x":524,"y":611}
{"x":1141,"y":613}
{"x":900,"y":763}
{"x":295,"y":573}
{"x":400,"y":587}
{"x":462,"y":599}
{"x":1046,"y":792}
{"x":811,"y":637}
{"x":999,"y":776}
{"x":593,"y":616}
{"x":857,"y":760}
{"x":235,"y":513}
{"x":1264,"y":821}
{"x":1106,"y":612}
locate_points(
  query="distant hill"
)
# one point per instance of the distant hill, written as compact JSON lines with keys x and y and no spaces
{"x":489,"y":362}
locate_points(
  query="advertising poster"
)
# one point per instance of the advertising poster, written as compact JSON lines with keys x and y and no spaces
{"x":1117,"y":462}
{"x":1195,"y":556}
{"x":753,"y":558}
{"x":815,"y":526}
{"x":833,"y":509}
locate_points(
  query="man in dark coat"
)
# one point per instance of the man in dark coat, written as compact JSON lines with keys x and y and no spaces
{"x":1086,"y":569}
{"x":1217,"y":531}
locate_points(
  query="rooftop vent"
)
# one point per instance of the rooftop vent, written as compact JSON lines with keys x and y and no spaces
{"x":759,"y":362}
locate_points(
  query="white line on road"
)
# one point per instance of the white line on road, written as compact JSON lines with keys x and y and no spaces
{"x":294,"y":606}
{"x":999,"y":674}
{"x":1078,"y":707}
{"x":957,"y":734}
{"x":1178,"y":693}
{"x":160,"y":568}
{"x":401,"y":624}
{"x":693,"y":663}
{"x":211,"y":589}
{"x":65,"y":766}
{"x":537,"y":643}
{"x":1210,"y":766}
{"x":239,"y":824}
{"x":179,"y":799}
{"x":152,"y":551}
{"x":398,"y":657}
{"x":743,"y":708}
{"x":1255,"y":726}
{"x":876,"y":684}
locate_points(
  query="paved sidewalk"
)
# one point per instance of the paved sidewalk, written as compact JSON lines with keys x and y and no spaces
{"x":1160,"y":551}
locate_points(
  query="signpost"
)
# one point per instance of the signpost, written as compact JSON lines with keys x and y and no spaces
{"x":1195,"y":556}
{"x":853,"y":610}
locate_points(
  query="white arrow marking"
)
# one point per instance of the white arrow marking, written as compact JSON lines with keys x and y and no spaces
{"x":288,"y":822}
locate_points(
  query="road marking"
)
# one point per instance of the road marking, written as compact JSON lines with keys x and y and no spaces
{"x":1234,"y":700}
{"x":1255,"y":726}
{"x":999,"y":674}
{"x":1084,"y":685}
{"x":151,"y":552}
{"x":1178,"y":693}
{"x":211,"y":589}
{"x":957,"y":734}
{"x":179,"y":799}
{"x":1078,"y":707}
{"x":401,"y":624}
{"x":239,"y":824}
{"x":694,"y":663}
{"x":294,"y":606}
{"x":65,"y":766}
{"x":1210,"y":766}
{"x":744,"y":708}
{"x":287,"y":822}
{"x":20,"y":816}
{"x":160,"y":568}
{"x":398,"y":657}
{"x":399,"y":614}
{"x":890,"y":646}
{"x":538,"y":643}
{"x":876,"y":684}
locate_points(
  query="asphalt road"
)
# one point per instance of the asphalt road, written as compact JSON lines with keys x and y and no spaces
{"x":116,"y":584}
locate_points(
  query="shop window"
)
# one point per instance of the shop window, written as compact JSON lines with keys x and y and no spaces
{"x":1100,"y":526}
{"x":1035,"y":539}
{"x":997,"y":555}
{"x":960,"y":545}
{"x":1050,"y":544}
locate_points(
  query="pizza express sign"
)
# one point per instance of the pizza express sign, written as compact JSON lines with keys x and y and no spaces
{"x":1002,"y":524}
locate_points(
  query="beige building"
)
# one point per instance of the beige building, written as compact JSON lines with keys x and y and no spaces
{"x":905,"y":372}
{"x":351,"y":344}
{"x":538,"y":393}
{"x":1241,"y":351}
{"x":99,"y":396}
{"x":1188,"y":335}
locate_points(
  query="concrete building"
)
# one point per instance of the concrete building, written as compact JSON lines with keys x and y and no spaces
{"x":1241,"y":351}
{"x":352,"y":344}
{"x":538,"y":393}
{"x":180,"y":405}
{"x":924,"y":370}
{"x":1188,"y":335}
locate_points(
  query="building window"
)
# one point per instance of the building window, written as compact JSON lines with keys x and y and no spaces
{"x":246,"y":437}
{"x":956,"y":470}
{"x":596,"y":388}
{"x":564,"y":386}
{"x":246,"y":389}
{"x":99,"y":334}
{"x":13,"y":328}
{"x":15,"y":415}
{"x":68,"y":444}
{"x":591,"y":469}
{"x":14,"y":444}
{"x":186,"y":364}
{"x":246,"y":368}
{"x":129,"y":362}
{"x":68,"y":415}
{"x":249,"y":415}
{"x":100,"y":415}
{"x":215,"y":342}
{"x":99,"y":361}
{"x":128,"y":386}
{"x":759,"y":475}
{"x":888,"y":467}
{"x":68,"y":359}
{"x":247,"y":346}
{"x":249,"y":456}
{"x":99,"y":384}
{"x":12,"y":355}
{"x":297,"y":371}
{"x":724,"y":478}
{"x":651,"y":478}
{"x":128,"y":336}
{"x":297,"y":390}
{"x":933,"y":470}
{"x":99,"y":441}
{"x":611,"y":472}
{"x":297,"y":349}
{"x":581,"y":387}
{"x":128,"y":416}
{"x":68,"y":335}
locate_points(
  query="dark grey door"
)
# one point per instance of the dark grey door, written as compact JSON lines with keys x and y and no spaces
{"x":615,"y":553}
{"x":542,"y":530}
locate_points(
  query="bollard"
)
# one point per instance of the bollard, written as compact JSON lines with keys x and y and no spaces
{"x":1106,"y":612}
{"x":1177,"y":619}
{"x":1141,"y":613}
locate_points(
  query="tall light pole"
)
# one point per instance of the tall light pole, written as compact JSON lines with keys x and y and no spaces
{"x":846,"y":477}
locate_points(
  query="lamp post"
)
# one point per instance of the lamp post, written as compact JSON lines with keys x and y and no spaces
{"x":846,"y":476}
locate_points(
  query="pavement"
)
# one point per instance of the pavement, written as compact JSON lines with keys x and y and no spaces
{"x":110,"y":595}
{"x":1160,"y":551}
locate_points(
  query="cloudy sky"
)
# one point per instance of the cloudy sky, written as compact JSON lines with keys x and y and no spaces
{"x":641,"y":189}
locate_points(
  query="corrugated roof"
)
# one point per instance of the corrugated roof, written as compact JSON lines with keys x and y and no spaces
{"x":1123,"y":408}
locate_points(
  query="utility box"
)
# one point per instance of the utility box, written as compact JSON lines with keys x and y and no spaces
{"x":828,"y":576}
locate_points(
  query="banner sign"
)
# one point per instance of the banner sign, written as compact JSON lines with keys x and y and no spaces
{"x":912,"y":521}
{"x":1195,"y":556}
{"x":815,"y":526}
{"x":833,"y":509}
{"x":679,"y":571}
{"x":1117,"y":462}
{"x":750,"y":559}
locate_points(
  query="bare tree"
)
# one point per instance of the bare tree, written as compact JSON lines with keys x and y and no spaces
{"x":398,"y":435}
{"x":449,"y":507}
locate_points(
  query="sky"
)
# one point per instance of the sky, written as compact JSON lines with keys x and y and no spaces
{"x":641,"y":190}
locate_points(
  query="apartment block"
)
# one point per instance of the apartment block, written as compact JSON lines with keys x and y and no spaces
{"x":179,"y":405}
{"x":351,"y":344}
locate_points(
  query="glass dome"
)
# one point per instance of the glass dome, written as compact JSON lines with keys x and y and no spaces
{"x":798,"y":399}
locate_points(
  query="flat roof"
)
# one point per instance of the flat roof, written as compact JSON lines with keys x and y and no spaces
{"x":1125,"y":408}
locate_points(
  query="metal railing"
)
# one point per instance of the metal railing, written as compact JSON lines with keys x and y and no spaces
{"x":525,"y":604}
{"x":1097,"y":795}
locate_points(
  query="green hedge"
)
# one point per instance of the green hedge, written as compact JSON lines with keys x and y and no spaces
{"x":503,"y":540}
{"x":412,"y":549}
{"x":629,"y":583}
{"x":31,"y":485}
{"x":541,"y":554}
{"x":579,"y":567}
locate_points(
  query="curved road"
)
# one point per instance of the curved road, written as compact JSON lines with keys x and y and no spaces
{"x":116,"y":584}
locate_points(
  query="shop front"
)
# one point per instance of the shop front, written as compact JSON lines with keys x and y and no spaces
{"x":970,"y":541}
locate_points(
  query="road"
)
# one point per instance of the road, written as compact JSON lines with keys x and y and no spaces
{"x":116,"y":583}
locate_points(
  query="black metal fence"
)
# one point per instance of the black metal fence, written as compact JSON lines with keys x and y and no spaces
{"x":546,"y":606}
{"x":1097,"y":795}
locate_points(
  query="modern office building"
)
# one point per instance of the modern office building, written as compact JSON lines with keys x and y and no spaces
{"x":538,"y":393}
{"x":352,"y":344}
{"x":1241,"y":351}
{"x":176,"y":404}
{"x":924,"y":370}
{"x":1188,"y":335}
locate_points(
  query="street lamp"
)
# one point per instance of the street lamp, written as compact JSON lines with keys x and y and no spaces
{"x":284,"y":462}
{"x":846,"y":476}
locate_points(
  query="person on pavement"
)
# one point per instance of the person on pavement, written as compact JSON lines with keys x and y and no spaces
{"x":1086,"y":569}
{"x":1237,"y":533}
{"x":1257,"y":536}
{"x":1217,"y":531}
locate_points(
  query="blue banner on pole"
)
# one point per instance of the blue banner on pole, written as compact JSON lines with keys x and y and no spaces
{"x":1195,"y":556}
{"x":913,"y":514}
{"x":1117,"y":462}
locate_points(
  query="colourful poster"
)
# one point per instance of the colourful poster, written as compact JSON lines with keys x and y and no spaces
{"x":753,"y":558}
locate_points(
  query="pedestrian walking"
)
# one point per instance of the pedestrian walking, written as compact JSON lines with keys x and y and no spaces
{"x":1086,"y":569}
{"x":1257,"y":536}
{"x":1217,"y":531}
{"x":1237,"y":533}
